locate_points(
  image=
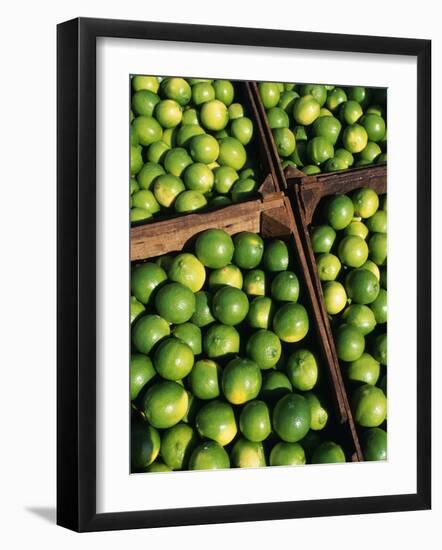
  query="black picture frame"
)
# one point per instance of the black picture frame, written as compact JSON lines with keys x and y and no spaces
{"x":76,"y":273}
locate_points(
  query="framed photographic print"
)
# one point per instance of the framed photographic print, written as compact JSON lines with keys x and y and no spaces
{"x":222,"y":274}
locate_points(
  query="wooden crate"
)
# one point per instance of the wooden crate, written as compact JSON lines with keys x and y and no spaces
{"x":270,"y":217}
{"x":268,"y":181}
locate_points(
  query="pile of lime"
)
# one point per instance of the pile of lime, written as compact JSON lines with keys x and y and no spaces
{"x":191,"y":147}
{"x":350,"y":245}
{"x":222,"y":372}
{"x":319,"y":128}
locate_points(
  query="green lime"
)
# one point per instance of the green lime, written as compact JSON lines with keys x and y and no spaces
{"x":157,"y":151}
{"x":242,"y":130}
{"x":311,"y":170}
{"x":365,"y":202}
{"x":224,"y":91}
{"x":221,"y":340}
{"x":145,"y":199}
{"x":146,"y":129}
{"x":378,"y":222}
{"x":166,"y":189}
{"x":190,"y":334}
{"x":286,"y":100}
{"x":370,"y":153}
{"x":287,"y":454}
{"x":157,"y":467}
{"x":285,"y":141}
{"x":254,"y":421}
{"x":360,"y":94}
{"x":204,"y":379}
{"x":204,"y":148}
{"x":375,"y":110}
{"x":209,"y":456}
{"x":216,"y":421}
{"x":141,"y":372}
{"x":214,"y":115}
{"x":278,"y":118}
{"x":255,"y":282}
{"x":187,"y":270}
{"x":322,"y":238}
{"x":276,"y":256}
{"x":241,"y":381}
{"x":380,"y":348}
{"x":229,"y":275}
{"x":168,"y":113}
{"x":369,"y":406}
{"x":379,"y":307}
{"x":377,"y":246}
{"x":144,"y":102}
{"x":299,"y":155}
{"x":214,"y":248}
{"x":285,"y":287}
{"x":136,"y":159}
{"x":302,"y":369}
{"x":136,"y":309}
{"x":202,"y":315}
{"x":247,"y":454}
{"x":134,"y":187}
{"x":319,"y":150}
{"x":144,"y":445}
{"x":232,"y":153}
{"x":261,"y":312}
{"x":177,"y":444}
{"x":173,"y":359}
{"x":144,"y":280}
{"x":306,"y":110}
{"x":374,"y":125}
{"x":328,"y":452}
{"x":350,"y":112}
{"x":374,"y":444}
{"x":139,"y":214}
{"x":362,"y":286}
{"x":269,"y":93}
{"x":354,"y":138}
{"x":249,"y":248}
{"x":327,"y":127}
{"x":165,"y":262}
{"x":318,"y":91}
{"x":335,"y":164}
{"x":318,"y":412}
{"x":339,"y":212}
{"x":147,"y":331}
{"x":325,"y":112}
{"x":190,"y":201}
{"x":230,"y":305}
{"x":360,"y":317}
{"x":170,"y":136}
{"x":328,"y":266}
{"x":202,"y":92}
{"x":177,"y":89}
{"x":264,"y":348}
{"x":142,"y":82}
{"x":292,"y":417}
{"x":225,"y":177}
{"x":186,"y":133}
{"x":334,"y":98}
{"x":300,"y":133}
{"x":177,"y":160}
{"x":236,"y":110}
{"x":344,"y":155}
{"x":350,"y":343}
{"x":243,"y":189}
{"x":353,"y":251}
{"x":198,"y":177}
{"x":148,"y":173}
{"x":365,"y":369}
{"x":335,"y":297}
{"x":165,"y":404}
{"x":357,"y":229}
{"x":175,"y":303}
{"x":275,"y":384}
{"x":190,"y":117}
{"x":291,"y":322}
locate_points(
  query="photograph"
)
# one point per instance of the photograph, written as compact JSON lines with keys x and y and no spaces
{"x":258,"y":299}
